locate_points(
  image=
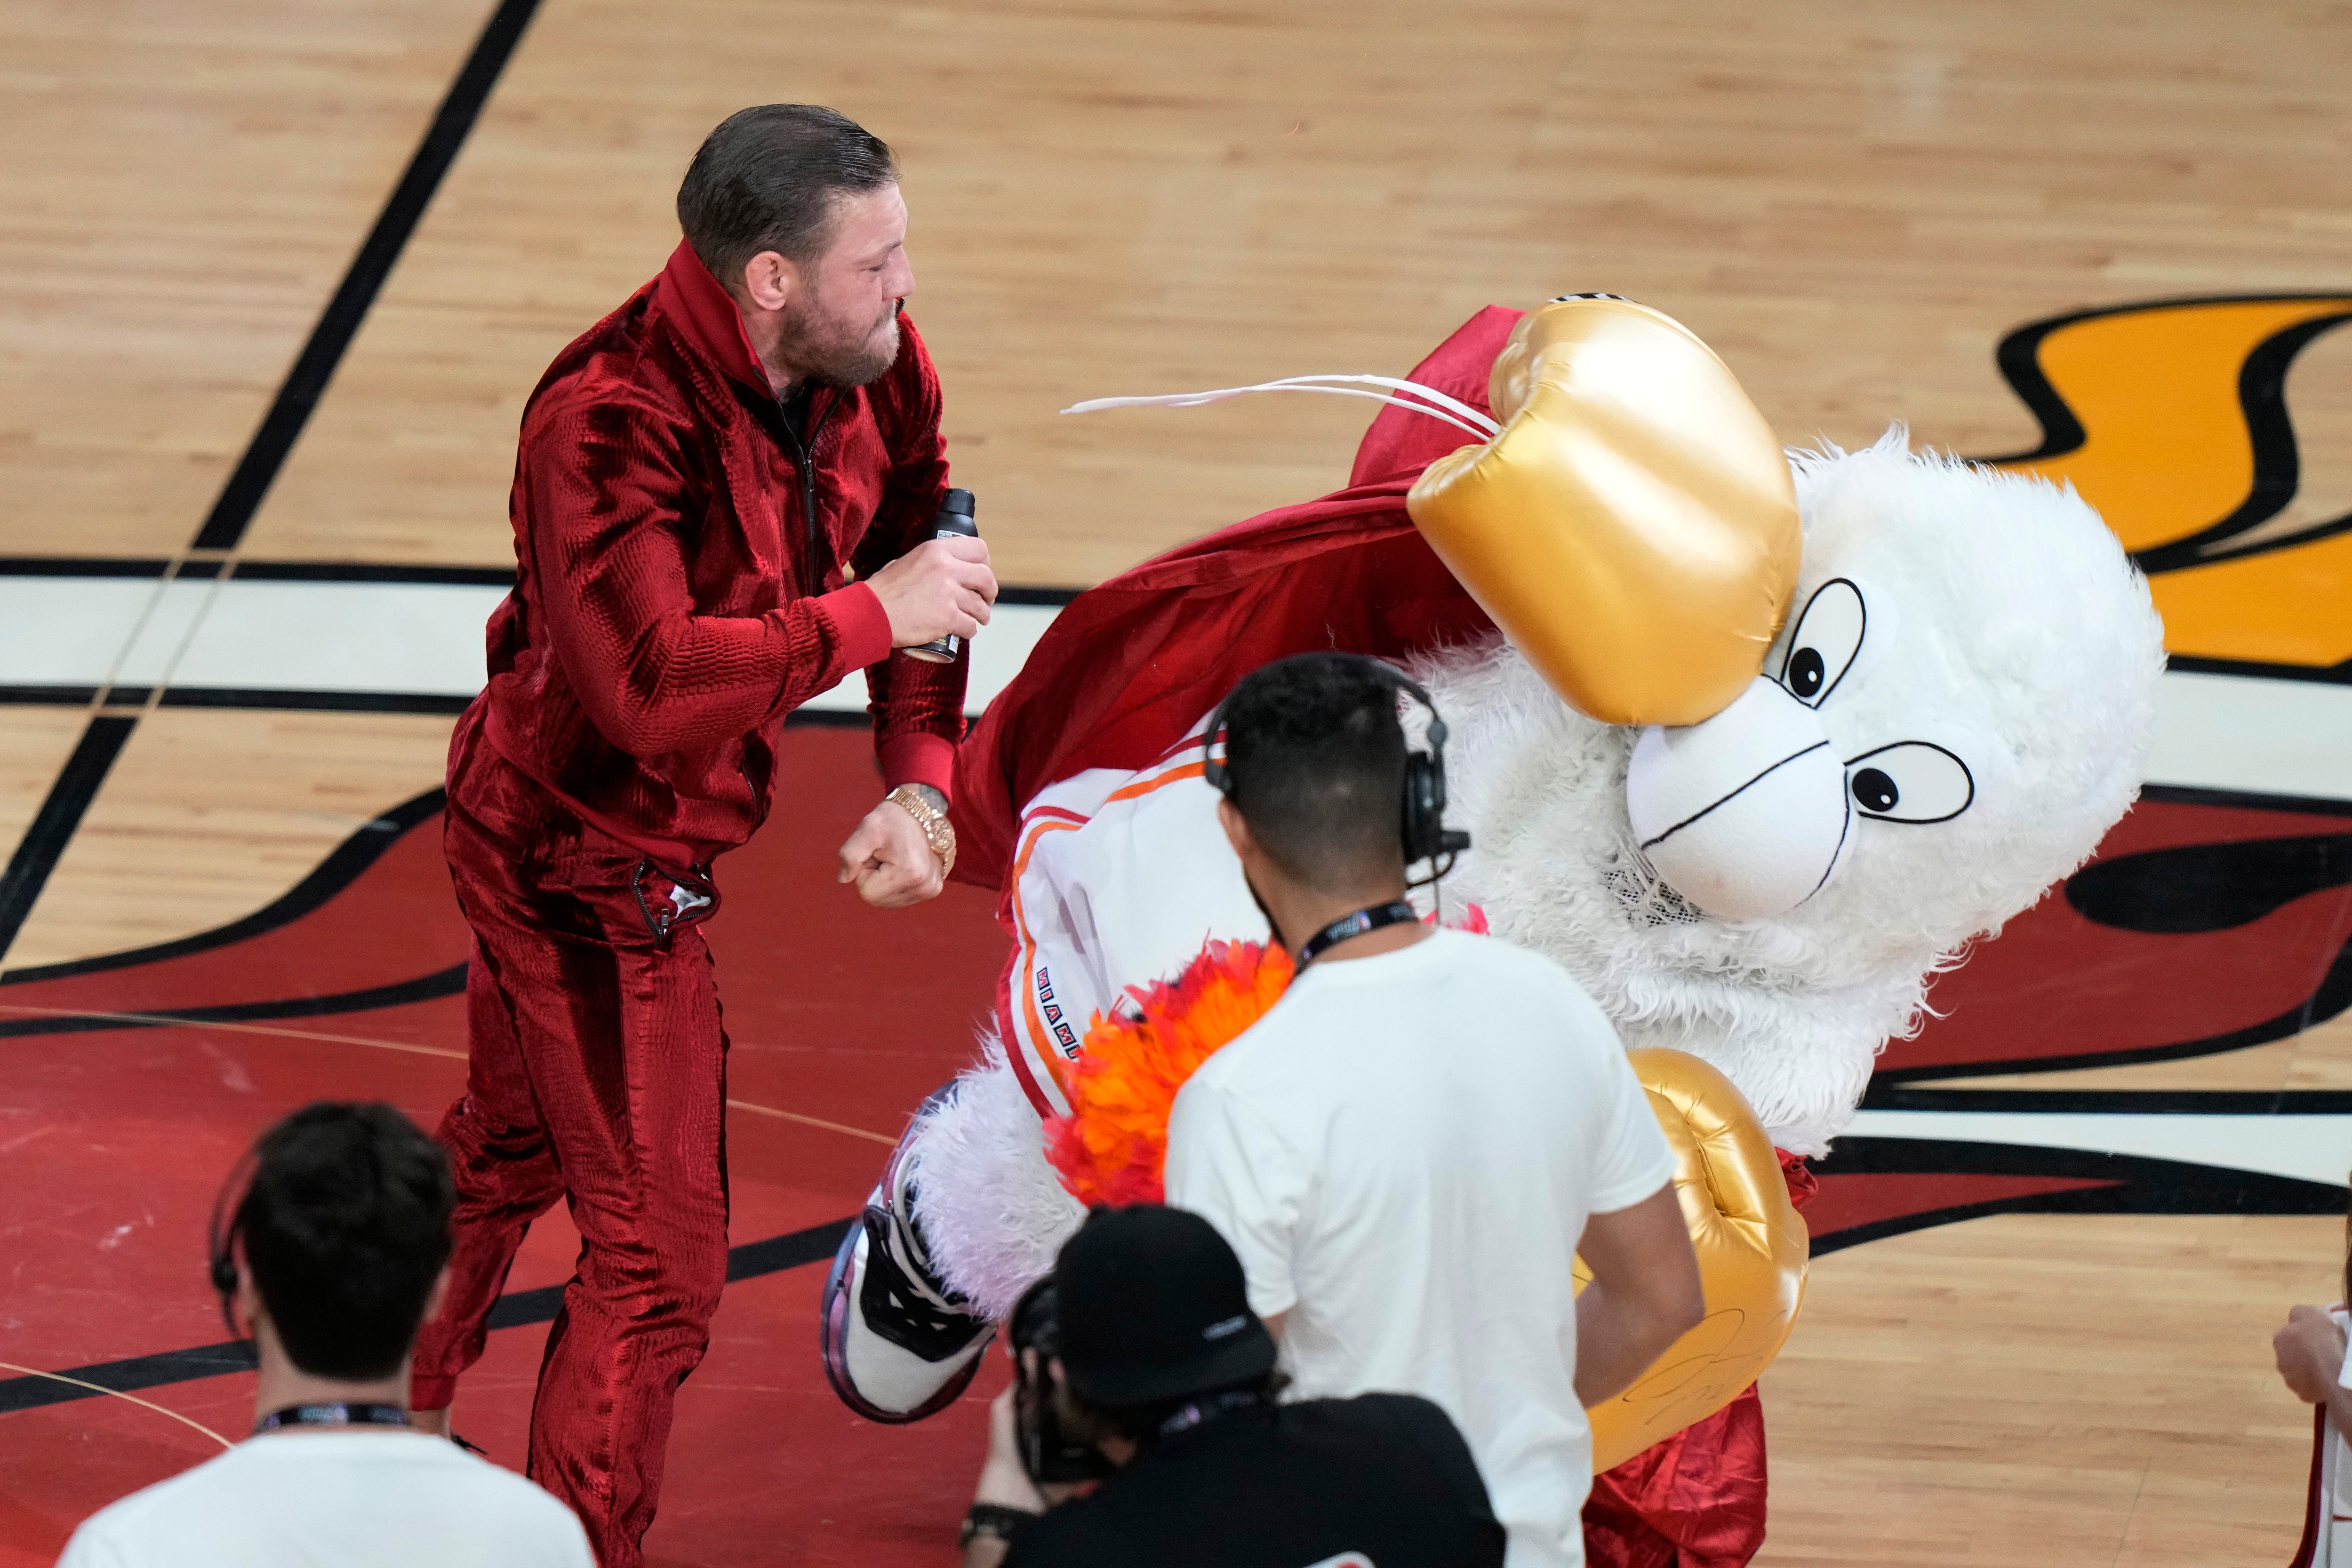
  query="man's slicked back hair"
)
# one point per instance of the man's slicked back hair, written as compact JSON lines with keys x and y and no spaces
{"x":345,"y":1227}
{"x":1315,"y":757}
{"x":767,"y":179}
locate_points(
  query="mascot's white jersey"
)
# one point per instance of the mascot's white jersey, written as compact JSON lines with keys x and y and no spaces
{"x":1119,"y":878}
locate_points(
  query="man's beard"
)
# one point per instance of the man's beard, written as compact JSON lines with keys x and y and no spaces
{"x":838,"y":352}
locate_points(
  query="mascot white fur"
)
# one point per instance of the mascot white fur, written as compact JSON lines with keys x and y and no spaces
{"x":1953,"y":708}
{"x":1987,"y":671}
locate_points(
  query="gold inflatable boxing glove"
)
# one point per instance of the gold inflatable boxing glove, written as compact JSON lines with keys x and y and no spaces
{"x":1751,"y":1258}
{"x":1633,"y":529}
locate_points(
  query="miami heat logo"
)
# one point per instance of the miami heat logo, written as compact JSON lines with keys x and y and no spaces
{"x":2212,"y":919}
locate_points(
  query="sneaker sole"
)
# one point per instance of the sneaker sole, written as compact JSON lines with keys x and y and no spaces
{"x":833,"y":1339}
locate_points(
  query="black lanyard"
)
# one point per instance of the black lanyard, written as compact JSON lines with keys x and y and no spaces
{"x":1201,"y":1411}
{"x":336,"y":1414}
{"x":1357,"y":924}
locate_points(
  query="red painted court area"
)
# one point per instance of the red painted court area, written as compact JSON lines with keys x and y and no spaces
{"x":116,"y":1139}
{"x":136,"y":1081}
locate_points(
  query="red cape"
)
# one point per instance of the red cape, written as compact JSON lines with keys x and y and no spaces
{"x":1129,"y":667}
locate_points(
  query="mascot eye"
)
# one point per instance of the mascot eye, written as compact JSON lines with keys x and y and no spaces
{"x":1911,"y":781}
{"x":1828,"y":636}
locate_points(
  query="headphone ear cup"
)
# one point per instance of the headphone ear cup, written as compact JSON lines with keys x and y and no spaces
{"x":221,"y":1238}
{"x":1423,"y":809}
{"x":1213,"y":768}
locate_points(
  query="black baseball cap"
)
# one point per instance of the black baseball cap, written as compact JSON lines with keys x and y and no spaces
{"x":1153,"y":1307}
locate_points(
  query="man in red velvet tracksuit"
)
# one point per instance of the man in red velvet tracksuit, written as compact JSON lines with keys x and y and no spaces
{"x":720,"y":508}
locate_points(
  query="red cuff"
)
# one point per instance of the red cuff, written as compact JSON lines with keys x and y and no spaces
{"x":857,"y":614}
{"x":918,"y":757}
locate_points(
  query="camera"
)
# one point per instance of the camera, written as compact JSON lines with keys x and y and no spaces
{"x":1047,"y":1452}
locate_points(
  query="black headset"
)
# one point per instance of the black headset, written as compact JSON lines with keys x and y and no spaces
{"x":1425,"y":834}
{"x":221,"y":1237}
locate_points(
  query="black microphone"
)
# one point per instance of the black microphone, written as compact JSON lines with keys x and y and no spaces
{"x":954,"y":521}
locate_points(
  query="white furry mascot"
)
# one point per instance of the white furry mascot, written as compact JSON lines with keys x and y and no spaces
{"x":1932,"y":712}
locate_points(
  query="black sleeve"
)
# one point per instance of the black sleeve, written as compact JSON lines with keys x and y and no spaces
{"x":1420,"y":1428}
{"x":1077,"y":1535}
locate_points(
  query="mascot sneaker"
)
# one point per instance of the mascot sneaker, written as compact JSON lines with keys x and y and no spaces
{"x":897,"y":1346}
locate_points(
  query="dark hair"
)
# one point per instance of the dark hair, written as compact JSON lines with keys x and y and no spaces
{"x":345,"y":1226}
{"x":1315,"y":757}
{"x":767,"y":179}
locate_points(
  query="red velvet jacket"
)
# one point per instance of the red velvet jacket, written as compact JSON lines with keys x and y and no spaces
{"x":667,"y":612}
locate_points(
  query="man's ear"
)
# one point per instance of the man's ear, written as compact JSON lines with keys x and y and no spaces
{"x":246,"y":1301}
{"x":769,"y":282}
{"x":434,"y":1298}
{"x":1236,"y":827}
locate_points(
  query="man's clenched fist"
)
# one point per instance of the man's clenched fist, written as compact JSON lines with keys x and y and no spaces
{"x":2310,"y":1354}
{"x":890,"y":859}
{"x":940,"y":588}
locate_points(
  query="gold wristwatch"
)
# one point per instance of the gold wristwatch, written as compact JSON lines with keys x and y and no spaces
{"x":931,"y":820}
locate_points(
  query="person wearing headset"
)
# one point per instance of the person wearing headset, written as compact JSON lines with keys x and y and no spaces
{"x":329,"y":1244}
{"x":1411,"y":1145}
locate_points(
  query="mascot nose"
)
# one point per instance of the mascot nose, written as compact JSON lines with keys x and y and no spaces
{"x":1744,"y":815}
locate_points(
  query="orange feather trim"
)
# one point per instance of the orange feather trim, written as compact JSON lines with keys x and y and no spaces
{"x":1113,"y":1146}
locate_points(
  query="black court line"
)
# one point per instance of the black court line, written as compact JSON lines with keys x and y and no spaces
{"x":450,"y":982}
{"x":516,"y":1308}
{"x":2331,"y":996}
{"x":2111,"y":1102}
{"x":2262,"y":406}
{"x":332,"y":876}
{"x":48,"y":696}
{"x":488,"y":577}
{"x":240,"y":498}
{"x":368,"y":572}
{"x":53,"y":826}
{"x":316,"y":701}
{"x":2125,"y":1184}
{"x":80,"y":566}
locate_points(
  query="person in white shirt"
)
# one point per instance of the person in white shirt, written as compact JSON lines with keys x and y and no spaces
{"x":335,"y":1254}
{"x":1408,"y":1148}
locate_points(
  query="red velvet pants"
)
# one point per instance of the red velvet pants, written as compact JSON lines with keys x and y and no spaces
{"x":597,"y":1076}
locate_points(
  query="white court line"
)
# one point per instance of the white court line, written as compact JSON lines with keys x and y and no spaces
{"x":68,"y":631}
{"x":2265,"y":737}
{"x":413,"y":639}
{"x":2233,"y":733}
{"x":165,"y":630}
{"x":2303,"y":1148}
{"x":997,"y":656}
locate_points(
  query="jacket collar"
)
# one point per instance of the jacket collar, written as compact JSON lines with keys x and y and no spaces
{"x":707,"y":319}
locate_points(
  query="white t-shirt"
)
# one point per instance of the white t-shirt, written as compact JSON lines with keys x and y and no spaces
{"x":1403,"y":1152}
{"x":344,"y":1499}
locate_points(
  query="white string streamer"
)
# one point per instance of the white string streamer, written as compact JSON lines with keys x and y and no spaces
{"x":1454,"y":411}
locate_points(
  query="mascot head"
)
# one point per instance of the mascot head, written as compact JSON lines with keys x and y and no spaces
{"x":1955,"y":711}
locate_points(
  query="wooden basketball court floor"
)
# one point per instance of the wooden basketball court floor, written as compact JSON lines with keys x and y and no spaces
{"x":276,"y":276}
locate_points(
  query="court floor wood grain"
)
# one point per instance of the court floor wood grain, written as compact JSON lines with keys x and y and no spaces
{"x":1851,"y":203}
